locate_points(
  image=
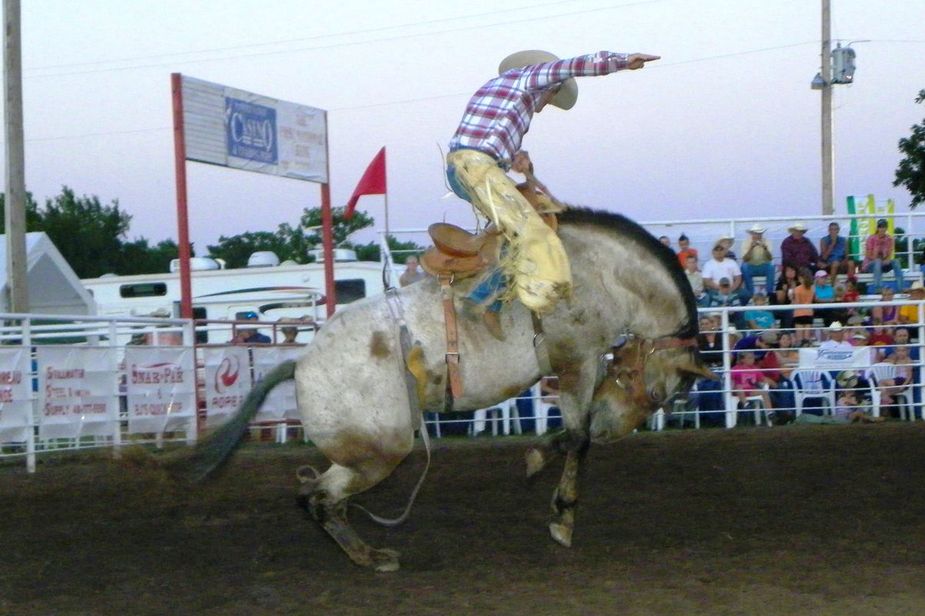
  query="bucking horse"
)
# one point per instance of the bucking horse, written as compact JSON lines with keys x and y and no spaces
{"x":358,"y":408}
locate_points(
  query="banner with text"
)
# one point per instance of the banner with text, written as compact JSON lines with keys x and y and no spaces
{"x":15,"y":395}
{"x":160,"y":389}
{"x":821,"y":358}
{"x":78,"y":392}
{"x":227,"y":381}
{"x":280,"y":402}
{"x":233,"y":128}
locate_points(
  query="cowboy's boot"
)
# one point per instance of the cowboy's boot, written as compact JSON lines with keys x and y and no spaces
{"x":492,"y":320}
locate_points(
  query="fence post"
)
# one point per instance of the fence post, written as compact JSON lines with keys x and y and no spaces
{"x":114,"y":366}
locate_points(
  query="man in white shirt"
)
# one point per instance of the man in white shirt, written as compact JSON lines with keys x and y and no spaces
{"x":719,"y":267}
{"x":836,"y":341}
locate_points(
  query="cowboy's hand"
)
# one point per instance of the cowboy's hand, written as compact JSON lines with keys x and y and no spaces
{"x":638,"y":60}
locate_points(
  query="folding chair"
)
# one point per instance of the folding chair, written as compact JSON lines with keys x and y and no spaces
{"x":813,"y":384}
{"x":876,"y":374}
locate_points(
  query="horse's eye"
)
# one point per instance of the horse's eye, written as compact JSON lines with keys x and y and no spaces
{"x":654,"y":395}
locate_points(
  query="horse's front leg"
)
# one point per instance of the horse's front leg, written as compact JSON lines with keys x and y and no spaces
{"x":565,"y":496}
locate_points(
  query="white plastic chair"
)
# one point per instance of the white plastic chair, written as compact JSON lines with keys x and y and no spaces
{"x":506,"y":413}
{"x":540,"y":408}
{"x":875,"y":375}
{"x":813,"y":384}
{"x":757,"y":402}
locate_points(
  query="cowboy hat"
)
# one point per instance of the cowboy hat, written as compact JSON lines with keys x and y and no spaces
{"x":567,"y":95}
{"x":916,"y":286}
{"x":756,"y":228}
{"x":797,"y":226}
{"x":836,"y":326}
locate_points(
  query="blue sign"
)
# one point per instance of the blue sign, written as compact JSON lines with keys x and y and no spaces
{"x":250,"y":131}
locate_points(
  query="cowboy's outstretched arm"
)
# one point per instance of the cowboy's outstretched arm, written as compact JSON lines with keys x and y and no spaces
{"x":638,"y":60}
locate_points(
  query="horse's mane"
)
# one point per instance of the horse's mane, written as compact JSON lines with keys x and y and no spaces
{"x":623,"y":226}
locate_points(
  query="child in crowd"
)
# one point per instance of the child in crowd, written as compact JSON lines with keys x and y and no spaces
{"x":804,"y":293}
{"x":759,"y":317}
{"x":848,"y":409}
{"x":747,"y":380}
{"x":695,"y":279}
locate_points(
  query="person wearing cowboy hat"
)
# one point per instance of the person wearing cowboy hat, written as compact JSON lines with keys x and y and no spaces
{"x":491,"y":131}
{"x":757,"y":259}
{"x":880,"y":256}
{"x":797,"y":251}
{"x":910,"y":312}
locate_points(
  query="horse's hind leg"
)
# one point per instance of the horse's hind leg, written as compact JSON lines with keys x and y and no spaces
{"x":565,"y":497}
{"x":325,"y":498}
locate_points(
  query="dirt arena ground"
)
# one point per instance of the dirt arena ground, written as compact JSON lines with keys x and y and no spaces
{"x":793,"y":520}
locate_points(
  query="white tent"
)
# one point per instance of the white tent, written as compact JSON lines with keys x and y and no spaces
{"x":54,"y":288}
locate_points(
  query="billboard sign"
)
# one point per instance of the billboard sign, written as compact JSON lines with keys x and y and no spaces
{"x":241,"y":130}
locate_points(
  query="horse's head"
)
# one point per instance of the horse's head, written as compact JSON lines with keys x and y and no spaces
{"x":643,"y":377}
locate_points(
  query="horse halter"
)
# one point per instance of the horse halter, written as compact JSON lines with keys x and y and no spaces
{"x":630,"y":355}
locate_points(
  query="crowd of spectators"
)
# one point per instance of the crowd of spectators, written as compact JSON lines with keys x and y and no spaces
{"x":765,"y":340}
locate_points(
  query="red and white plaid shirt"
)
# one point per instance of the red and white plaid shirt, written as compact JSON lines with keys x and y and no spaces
{"x":498,"y":115}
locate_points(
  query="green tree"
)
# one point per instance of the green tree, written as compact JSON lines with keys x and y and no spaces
{"x":235,"y":250}
{"x":400,"y":250}
{"x":88,"y":233}
{"x":33,"y":217}
{"x":140,"y":258}
{"x":341,"y":229}
{"x":911,"y":170}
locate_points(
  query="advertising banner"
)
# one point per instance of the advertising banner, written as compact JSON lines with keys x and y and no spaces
{"x":160,"y":389}
{"x":15,"y":394}
{"x":227,"y":381}
{"x":864,"y":214}
{"x":241,"y":130}
{"x":280,"y":403}
{"x":846,"y":359}
{"x":78,"y":392}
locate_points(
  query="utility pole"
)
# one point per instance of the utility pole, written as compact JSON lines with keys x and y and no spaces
{"x":15,"y":214}
{"x":828,"y":153}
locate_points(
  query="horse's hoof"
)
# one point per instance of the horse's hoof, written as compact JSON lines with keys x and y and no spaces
{"x":561,"y":533}
{"x":535,"y":461}
{"x":384,"y":560}
{"x":307,"y":474}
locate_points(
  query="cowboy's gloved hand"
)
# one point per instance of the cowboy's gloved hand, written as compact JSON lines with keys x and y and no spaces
{"x":638,"y":60}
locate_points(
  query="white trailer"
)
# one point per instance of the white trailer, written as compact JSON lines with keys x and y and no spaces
{"x":270,"y":292}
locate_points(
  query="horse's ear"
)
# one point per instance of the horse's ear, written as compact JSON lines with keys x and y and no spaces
{"x":698,"y":370}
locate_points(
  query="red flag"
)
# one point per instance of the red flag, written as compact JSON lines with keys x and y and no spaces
{"x":372,"y":183}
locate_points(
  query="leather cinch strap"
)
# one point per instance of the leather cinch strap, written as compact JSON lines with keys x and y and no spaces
{"x":454,"y":381}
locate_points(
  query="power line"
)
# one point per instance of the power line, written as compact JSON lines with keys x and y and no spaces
{"x":346,"y":44}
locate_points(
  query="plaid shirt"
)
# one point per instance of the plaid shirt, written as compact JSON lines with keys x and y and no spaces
{"x":498,"y":115}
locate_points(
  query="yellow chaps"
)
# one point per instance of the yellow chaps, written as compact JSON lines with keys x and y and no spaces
{"x":536,"y":261}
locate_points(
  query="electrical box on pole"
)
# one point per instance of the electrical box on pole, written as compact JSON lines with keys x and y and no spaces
{"x":843,"y":65}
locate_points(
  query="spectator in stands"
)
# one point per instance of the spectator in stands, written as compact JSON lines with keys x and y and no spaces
{"x":759,"y":317}
{"x":804,"y":293}
{"x":833,"y":254}
{"x":880,"y":337}
{"x":726,"y":297}
{"x":902,"y":337}
{"x":825,"y":294}
{"x":910,"y":312}
{"x":728,"y":241}
{"x":685,"y":250}
{"x":783,"y":294}
{"x":748,"y":380}
{"x":412,"y":273}
{"x":888,"y":315}
{"x":710,"y":342}
{"x":798,"y":251}
{"x":249,"y":335}
{"x":879,"y":256}
{"x":836,"y":340}
{"x":708,"y":398}
{"x":718,"y":267}
{"x":696,"y":280}
{"x":757,"y":259}
{"x":848,"y":407}
{"x":664,"y":239}
{"x":759,"y":344}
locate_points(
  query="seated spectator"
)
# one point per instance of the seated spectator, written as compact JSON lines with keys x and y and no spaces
{"x":833,"y":254}
{"x":757,"y":259}
{"x":664,"y":239}
{"x":759,"y":344}
{"x":710,"y":343}
{"x":836,"y":339}
{"x":725,"y":296}
{"x":783,"y":294}
{"x":411,"y":274}
{"x":805,"y":293}
{"x":888,"y":315}
{"x":910,"y":313}
{"x":798,"y":251}
{"x":728,"y":241}
{"x":748,"y":379}
{"x":759,"y":318}
{"x":696,"y":280}
{"x":825,"y":294}
{"x":685,"y":250}
{"x":718,"y":267}
{"x":879,"y":337}
{"x":879,"y":256}
{"x":249,"y":335}
{"x":849,"y":409}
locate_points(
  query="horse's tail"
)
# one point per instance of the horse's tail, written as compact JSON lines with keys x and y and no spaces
{"x":210,"y":453}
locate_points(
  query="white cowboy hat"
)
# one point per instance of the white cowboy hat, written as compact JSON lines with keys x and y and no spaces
{"x":567,"y":95}
{"x":797,"y":226}
{"x":756,"y":228}
{"x":836,"y":326}
{"x":917,"y":286}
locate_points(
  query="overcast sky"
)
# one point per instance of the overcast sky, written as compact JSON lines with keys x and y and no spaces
{"x":725,"y":125}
